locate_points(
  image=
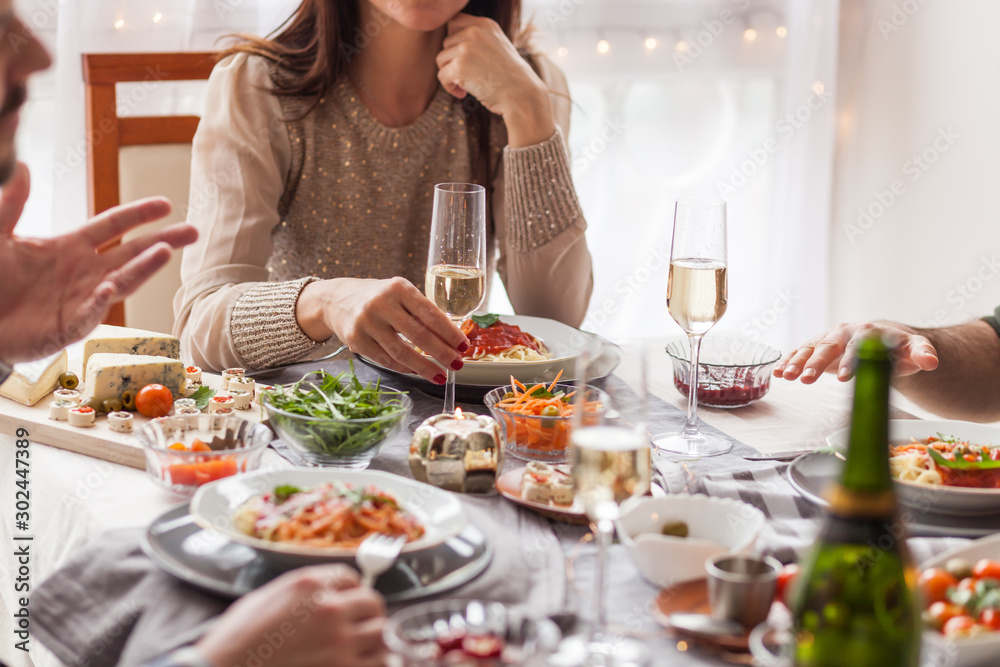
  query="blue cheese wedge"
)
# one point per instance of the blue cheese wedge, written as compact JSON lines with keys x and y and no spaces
{"x":110,"y":375}
{"x":32,"y":381}
{"x":122,"y":340}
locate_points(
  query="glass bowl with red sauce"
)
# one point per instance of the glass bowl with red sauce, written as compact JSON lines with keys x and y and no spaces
{"x":468,"y":632}
{"x":733,"y":372}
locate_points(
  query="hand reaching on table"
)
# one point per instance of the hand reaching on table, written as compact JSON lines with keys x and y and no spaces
{"x":833,"y":351}
{"x":310,"y":617}
{"x":56,"y":290}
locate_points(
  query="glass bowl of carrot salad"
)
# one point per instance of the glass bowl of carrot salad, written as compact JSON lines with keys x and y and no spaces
{"x":183,"y":454}
{"x":536,"y":419}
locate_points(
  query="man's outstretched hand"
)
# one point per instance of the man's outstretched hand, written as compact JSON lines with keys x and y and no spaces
{"x":55,"y":291}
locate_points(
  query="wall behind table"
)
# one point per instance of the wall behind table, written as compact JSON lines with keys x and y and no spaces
{"x":919,"y":108}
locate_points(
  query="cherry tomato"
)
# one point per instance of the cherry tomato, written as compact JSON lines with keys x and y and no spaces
{"x":967,"y":584}
{"x":986,"y":569}
{"x":199,"y":446}
{"x":449,"y":641}
{"x":786,"y":579}
{"x":482,"y":646}
{"x":154,"y":400}
{"x":934,"y":583}
{"x":990,"y":618}
{"x":960,"y":626}
{"x":942,"y":612}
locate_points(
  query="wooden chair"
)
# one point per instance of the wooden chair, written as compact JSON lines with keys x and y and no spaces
{"x":110,"y":176}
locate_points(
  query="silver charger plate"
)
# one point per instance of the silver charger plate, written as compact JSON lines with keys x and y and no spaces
{"x":811,"y":473}
{"x":210,"y":561}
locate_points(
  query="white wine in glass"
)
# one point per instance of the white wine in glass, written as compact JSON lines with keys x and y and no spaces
{"x":456,"y":260}
{"x":456,"y":290}
{"x":697,"y":296}
{"x":696,"y":293}
{"x":610,"y":463}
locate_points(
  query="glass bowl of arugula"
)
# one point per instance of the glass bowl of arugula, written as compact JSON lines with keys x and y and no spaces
{"x":536,"y":419}
{"x":335,"y":420}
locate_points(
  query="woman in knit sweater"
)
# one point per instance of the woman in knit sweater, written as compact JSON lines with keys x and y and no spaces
{"x":312,"y":175}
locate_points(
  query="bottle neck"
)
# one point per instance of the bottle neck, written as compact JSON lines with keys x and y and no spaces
{"x":865,"y":487}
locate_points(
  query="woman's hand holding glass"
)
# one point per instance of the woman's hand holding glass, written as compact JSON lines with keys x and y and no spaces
{"x":372,"y":316}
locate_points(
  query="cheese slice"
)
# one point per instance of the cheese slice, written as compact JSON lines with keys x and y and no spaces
{"x":108,"y":339}
{"x":110,"y":375}
{"x":32,"y":381}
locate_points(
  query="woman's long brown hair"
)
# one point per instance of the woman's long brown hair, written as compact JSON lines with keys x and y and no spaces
{"x":314,"y":46}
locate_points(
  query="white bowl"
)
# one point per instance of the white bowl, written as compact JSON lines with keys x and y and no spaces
{"x":938,"y":499}
{"x":215,"y":504}
{"x":715,"y":526}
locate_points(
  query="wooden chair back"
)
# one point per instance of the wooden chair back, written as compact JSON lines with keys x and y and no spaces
{"x":108,"y":133}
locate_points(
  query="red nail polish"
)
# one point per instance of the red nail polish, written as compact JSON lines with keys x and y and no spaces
{"x":440,"y":379}
{"x":457,"y":365}
{"x":463,"y":348}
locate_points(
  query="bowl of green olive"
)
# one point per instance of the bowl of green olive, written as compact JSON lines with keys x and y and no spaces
{"x":536,"y":419}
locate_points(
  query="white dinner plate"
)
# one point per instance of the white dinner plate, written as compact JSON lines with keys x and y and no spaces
{"x":564,"y":343}
{"x":215,"y":504}
{"x":970,"y":651}
{"x":939,"y":499}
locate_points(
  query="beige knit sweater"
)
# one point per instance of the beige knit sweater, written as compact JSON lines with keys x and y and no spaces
{"x":279,"y":203}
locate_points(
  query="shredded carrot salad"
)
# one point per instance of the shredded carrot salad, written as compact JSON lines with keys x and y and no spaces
{"x":329,"y":515}
{"x":537,"y":414}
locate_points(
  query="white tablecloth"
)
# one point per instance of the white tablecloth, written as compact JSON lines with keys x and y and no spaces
{"x":76,"y":498}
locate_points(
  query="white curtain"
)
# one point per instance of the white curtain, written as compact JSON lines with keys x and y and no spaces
{"x":670,"y":98}
{"x":676,"y":98}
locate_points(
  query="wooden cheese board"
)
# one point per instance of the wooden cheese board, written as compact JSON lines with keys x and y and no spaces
{"x":99,"y":440}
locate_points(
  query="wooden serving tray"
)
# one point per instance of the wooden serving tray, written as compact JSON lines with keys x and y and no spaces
{"x":98,"y":440}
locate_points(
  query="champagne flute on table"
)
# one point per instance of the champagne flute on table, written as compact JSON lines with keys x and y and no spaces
{"x":696,"y":299}
{"x":456,"y":262}
{"x":610,"y":464}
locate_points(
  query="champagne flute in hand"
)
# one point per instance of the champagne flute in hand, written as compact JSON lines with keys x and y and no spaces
{"x":696,"y":299}
{"x":456,"y":262}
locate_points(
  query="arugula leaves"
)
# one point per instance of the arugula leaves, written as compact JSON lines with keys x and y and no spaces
{"x":487,"y":320}
{"x":347,"y":416}
{"x":285,"y":491}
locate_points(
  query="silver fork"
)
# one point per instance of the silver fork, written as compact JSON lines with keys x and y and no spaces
{"x":376,"y":555}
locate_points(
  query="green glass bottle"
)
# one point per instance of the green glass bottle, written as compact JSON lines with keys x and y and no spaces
{"x":855,"y":602}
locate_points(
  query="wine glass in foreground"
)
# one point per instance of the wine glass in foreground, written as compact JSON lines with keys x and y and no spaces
{"x":611,"y":464}
{"x":696,"y":299}
{"x":456,"y":262}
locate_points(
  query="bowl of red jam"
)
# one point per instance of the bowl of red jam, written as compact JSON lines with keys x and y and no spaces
{"x":733,"y":372}
{"x":468,"y":632}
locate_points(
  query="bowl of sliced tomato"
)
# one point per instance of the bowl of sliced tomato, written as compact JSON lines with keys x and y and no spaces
{"x":536,"y":419}
{"x":184,"y":454}
{"x":961,"y":604}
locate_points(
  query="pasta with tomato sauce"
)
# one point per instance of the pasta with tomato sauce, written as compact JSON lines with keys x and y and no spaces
{"x":330,"y":515}
{"x":500,"y":341}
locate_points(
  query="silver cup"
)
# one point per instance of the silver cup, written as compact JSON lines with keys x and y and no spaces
{"x":741,"y":588}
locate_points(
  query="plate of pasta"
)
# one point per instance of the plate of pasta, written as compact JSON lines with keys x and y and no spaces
{"x":303,"y":515}
{"x":532,"y":349}
{"x":942,"y":466}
